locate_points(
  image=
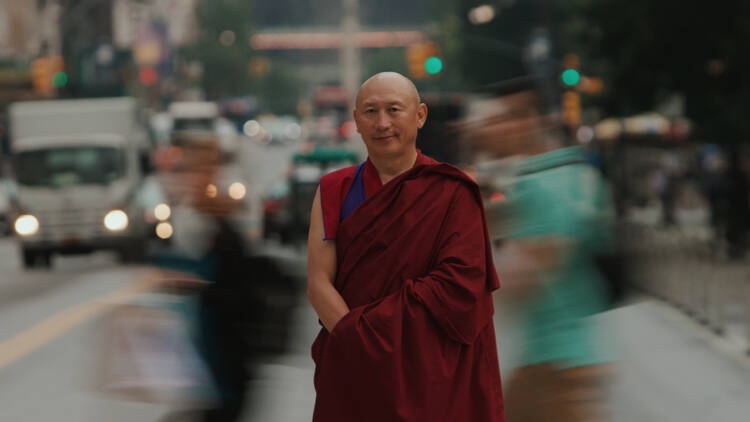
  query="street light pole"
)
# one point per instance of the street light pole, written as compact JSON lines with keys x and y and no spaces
{"x":350,"y":60}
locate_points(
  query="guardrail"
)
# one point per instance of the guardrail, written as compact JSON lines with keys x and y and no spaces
{"x":687,"y":266}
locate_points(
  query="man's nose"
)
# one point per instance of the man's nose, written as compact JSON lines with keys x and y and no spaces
{"x":383,"y":121}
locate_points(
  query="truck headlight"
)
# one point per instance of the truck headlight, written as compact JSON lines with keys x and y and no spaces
{"x":162,"y":212}
{"x":237,"y":190}
{"x":164,"y":230}
{"x":116,"y":220}
{"x":26,"y":225}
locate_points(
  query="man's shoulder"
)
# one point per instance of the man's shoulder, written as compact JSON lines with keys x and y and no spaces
{"x":449,"y":179}
{"x":449,"y":174}
{"x":339,"y":175}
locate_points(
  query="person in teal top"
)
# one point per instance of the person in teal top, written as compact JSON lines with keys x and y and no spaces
{"x":560,"y":200}
{"x":556,"y":220}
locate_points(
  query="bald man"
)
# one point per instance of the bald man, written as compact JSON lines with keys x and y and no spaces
{"x":401,"y":275}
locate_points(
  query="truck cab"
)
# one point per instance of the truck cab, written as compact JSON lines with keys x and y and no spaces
{"x":77,"y":171}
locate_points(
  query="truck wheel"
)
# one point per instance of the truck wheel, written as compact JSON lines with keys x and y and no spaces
{"x":29,"y":258}
{"x":133,"y":252}
{"x":286,"y":236}
{"x":45,"y":259}
{"x":32,"y":258}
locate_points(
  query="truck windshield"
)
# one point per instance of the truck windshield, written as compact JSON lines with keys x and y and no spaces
{"x":193,"y":124}
{"x":60,"y":167}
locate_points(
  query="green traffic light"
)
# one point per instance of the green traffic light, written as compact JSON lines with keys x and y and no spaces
{"x":60,"y":79}
{"x":433,"y":65}
{"x":571,"y":77}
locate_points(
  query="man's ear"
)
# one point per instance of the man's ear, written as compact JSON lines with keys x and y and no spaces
{"x":354,"y":116}
{"x":421,"y":115}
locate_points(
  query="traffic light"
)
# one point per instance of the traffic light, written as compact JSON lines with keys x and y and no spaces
{"x":571,"y":73}
{"x":570,"y":77}
{"x":424,"y":59}
{"x":57,"y":68}
{"x":41,"y":79}
{"x":47,"y":73}
{"x":258,"y":66}
{"x":571,"y":108}
{"x":433,"y":65}
{"x":571,"y":99}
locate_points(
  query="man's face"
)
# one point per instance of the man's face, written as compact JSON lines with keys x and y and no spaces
{"x":388,"y":116}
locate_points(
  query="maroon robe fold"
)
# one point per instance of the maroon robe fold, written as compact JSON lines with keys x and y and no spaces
{"x":415,"y":268}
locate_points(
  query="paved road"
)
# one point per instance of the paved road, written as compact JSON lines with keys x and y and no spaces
{"x":671,"y":369}
{"x":48,"y":339}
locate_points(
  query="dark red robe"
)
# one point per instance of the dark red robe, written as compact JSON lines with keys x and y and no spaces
{"x":415,"y":268}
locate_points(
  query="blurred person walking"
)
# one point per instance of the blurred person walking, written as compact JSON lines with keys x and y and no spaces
{"x":400,"y":273}
{"x":207,"y":244}
{"x":558,"y":223}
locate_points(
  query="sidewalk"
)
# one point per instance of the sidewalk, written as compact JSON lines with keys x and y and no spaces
{"x":672,"y":369}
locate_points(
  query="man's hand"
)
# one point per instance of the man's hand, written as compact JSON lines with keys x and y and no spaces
{"x":321,"y":271}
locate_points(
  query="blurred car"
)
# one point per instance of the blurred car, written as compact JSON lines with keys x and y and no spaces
{"x":276,"y":213}
{"x":5,"y":208}
{"x":287,"y":205}
{"x":231,"y":180}
{"x":157,"y":212}
{"x":198,"y":119}
{"x":273,"y":130}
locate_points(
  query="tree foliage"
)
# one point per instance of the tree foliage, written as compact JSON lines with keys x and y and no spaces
{"x":227,"y":69}
{"x":699,"y":49}
{"x":644,"y":50}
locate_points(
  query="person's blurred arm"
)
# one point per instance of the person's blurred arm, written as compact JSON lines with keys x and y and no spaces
{"x":522,"y":263}
{"x":321,"y":271}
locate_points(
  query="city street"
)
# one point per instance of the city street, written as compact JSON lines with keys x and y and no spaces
{"x":182,"y":143}
{"x":671,"y":368}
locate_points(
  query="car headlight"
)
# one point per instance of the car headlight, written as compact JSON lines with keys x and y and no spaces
{"x":164,"y":230}
{"x":26,"y":225}
{"x":237,"y":190}
{"x":116,"y":220}
{"x":211,"y":190}
{"x":162,"y":212}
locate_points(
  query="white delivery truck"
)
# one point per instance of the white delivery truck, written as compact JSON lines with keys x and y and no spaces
{"x":78,"y":167}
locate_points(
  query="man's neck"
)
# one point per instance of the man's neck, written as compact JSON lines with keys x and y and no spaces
{"x":388,"y":168}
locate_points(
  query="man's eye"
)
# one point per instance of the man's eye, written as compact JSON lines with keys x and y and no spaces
{"x":394,"y":109}
{"x":369,"y":110}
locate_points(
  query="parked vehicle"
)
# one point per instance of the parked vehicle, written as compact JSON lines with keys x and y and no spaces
{"x":287,"y":209}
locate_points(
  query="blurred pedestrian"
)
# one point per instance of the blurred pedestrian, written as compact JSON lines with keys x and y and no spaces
{"x":559,"y":213}
{"x":400,"y":273}
{"x":208,"y":245}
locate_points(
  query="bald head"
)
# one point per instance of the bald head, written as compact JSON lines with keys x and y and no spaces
{"x":388,"y":81}
{"x":388,"y":115}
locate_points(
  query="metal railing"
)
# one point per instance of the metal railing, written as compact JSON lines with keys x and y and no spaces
{"x":687,"y":266}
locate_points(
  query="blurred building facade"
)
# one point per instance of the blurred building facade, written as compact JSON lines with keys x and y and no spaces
{"x":19,"y":33}
{"x":131,"y":19}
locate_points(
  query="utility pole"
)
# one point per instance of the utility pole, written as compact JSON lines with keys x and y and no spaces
{"x":351,"y":72}
{"x":50,"y":34}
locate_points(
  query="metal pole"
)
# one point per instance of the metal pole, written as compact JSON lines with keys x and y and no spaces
{"x":350,"y":60}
